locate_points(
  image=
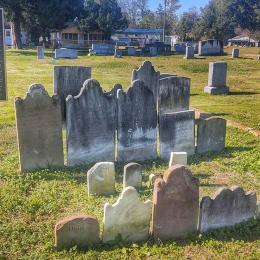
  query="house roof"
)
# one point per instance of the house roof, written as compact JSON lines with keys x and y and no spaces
{"x":242,"y":38}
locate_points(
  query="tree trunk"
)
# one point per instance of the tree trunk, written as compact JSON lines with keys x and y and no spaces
{"x":16,"y":32}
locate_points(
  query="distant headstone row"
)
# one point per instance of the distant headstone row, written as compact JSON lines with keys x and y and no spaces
{"x":174,"y":213}
{"x":211,"y":47}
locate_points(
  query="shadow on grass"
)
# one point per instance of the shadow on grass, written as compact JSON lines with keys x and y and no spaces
{"x":243,"y":93}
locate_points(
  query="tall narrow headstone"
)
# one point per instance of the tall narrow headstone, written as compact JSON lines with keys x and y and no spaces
{"x":39,"y":130}
{"x":91,"y":118}
{"x":235,"y":53}
{"x":227,"y":208}
{"x":189,"y":52}
{"x":177,"y":133}
{"x":68,"y":80}
{"x":133,"y":175}
{"x":175,"y":204}
{"x":40,"y":52}
{"x":3,"y":85}
{"x":137,"y":124}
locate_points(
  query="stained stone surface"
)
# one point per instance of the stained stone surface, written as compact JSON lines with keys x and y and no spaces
{"x":80,"y":231}
{"x":91,"y":120}
{"x":227,"y":208}
{"x":177,"y":133}
{"x":149,"y":76}
{"x":211,"y":135}
{"x":133,"y":175}
{"x":175,"y":204}
{"x":178,"y":158}
{"x":189,"y":52}
{"x":101,"y":179}
{"x":39,"y":130}
{"x":40,"y":52}
{"x":128,"y":219}
{"x":137,"y":124}
{"x":235,"y":53}
{"x":68,"y":80}
{"x":174,"y":94}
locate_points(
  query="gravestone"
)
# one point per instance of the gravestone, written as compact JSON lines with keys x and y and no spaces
{"x":175,"y":204}
{"x":235,"y":53}
{"x":174,"y":95}
{"x":68,"y":80}
{"x":167,"y":75}
{"x":133,"y":175}
{"x":91,"y":121}
{"x":211,"y":135}
{"x":210,"y":47}
{"x":149,"y":76}
{"x":101,"y":179}
{"x":118,"y":53}
{"x":103,"y":49}
{"x":131,"y":51}
{"x":180,"y":47}
{"x":3,"y":84}
{"x":153,"y":51}
{"x":64,"y":53}
{"x":39,"y":130}
{"x":177,"y":133}
{"x":80,"y":231}
{"x":137,"y":124}
{"x":178,"y":158}
{"x":40,"y":52}
{"x":128,"y":219}
{"x":217,"y":80}
{"x":227,"y":208}
{"x":189,"y":52}
{"x":152,"y":178}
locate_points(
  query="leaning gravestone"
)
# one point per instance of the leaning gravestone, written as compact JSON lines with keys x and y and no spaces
{"x":189,"y":52}
{"x":68,"y":80}
{"x":3,"y":85}
{"x":101,"y":179}
{"x":128,"y":219}
{"x":80,"y":231}
{"x":40,"y":52}
{"x":217,"y":81}
{"x":39,"y":130}
{"x":211,"y":135}
{"x":91,"y":118}
{"x":177,"y":133}
{"x":137,"y":124}
{"x":227,"y":208}
{"x":174,"y":94}
{"x":149,"y":76}
{"x":175,"y":204}
{"x":235,"y":53}
{"x":133,"y":175}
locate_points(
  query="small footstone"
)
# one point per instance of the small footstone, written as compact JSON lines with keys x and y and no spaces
{"x":101,"y":179}
{"x":178,"y":158}
{"x":133,"y":175}
{"x":80,"y":231}
{"x":152,"y":178}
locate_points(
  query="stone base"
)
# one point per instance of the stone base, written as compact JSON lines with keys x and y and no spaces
{"x":216,"y":90}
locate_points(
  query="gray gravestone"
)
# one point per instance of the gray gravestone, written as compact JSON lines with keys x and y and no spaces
{"x":211,"y":135}
{"x":167,"y":75}
{"x":68,"y":80}
{"x":131,"y":51}
{"x":133,"y":175}
{"x":235,"y":53}
{"x":217,"y":80}
{"x":3,"y":85}
{"x":137,"y":124}
{"x":177,"y":133}
{"x":210,"y":47}
{"x":39,"y":130}
{"x":174,"y":94}
{"x":65,"y":53}
{"x":149,"y":76}
{"x":227,"y":208}
{"x":189,"y":52}
{"x":40,"y":52}
{"x":91,"y":118}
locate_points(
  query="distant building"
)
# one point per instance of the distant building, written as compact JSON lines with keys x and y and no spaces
{"x":9,"y":37}
{"x":243,"y":41}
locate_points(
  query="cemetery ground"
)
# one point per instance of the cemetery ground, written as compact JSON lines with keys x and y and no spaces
{"x":31,"y":205}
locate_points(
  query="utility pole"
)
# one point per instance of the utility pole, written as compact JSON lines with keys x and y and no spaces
{"x":164,"y":19}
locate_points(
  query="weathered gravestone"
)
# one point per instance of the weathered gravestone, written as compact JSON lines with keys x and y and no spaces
{"x":80,"y":231}
{"x":189,"y":52}
{"x":64,"y":53}
{"x":137,"y":124}
{"x":178,"y":158}
{"x":235,"y":53}
{"x":91,"y":118}
{"x":211,"y":135}
{"x":174,"y":95}
{"x":101,"y":179}
{"x":3,"y":85}
{"x":39,"y":129}
{"x":133,"y":175}
{"x":227,"y":208}
{"x":40,"y":52}
{"x":128,"y":219}
{"x":167,"y":75}
{"x":68,"y":80}
{"x":149,"y":76}
{"x":103,"y":49}
{"x":210,"y":47}
{"x":175,"y":204}
{"x":177,"y":133}
{"x":217,"y":80}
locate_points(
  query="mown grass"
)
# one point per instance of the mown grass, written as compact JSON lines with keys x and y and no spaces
{"x":31,"y":205}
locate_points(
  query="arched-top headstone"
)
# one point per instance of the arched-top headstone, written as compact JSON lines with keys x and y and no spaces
{"x":90,"y":125}
{"x":137,"y":124}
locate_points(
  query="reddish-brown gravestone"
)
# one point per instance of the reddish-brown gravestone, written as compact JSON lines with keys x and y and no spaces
{"x":175,"y":204}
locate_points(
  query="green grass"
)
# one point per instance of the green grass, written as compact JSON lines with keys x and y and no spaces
{"x":31,"y":205}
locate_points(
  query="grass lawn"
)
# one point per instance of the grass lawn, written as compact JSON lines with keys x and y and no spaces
{"x":31,"y":205}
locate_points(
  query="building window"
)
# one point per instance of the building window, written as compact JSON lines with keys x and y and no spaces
{"x":70,"y":36}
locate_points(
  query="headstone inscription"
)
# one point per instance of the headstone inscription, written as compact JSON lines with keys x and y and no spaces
{"x":133,"y":175}
{"x":137,"y":124}
{"x":128,"y":219}
{"x":91,"y":119}
{"x":40,"y":52}
{"x":39,"y":130}
{"x":3,"y":85}
{"x":175,"y":204}
{"x":227,"y":208}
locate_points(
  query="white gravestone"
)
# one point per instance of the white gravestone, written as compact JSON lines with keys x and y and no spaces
{"x":178,"y":158}
{"x":133,"y":175}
